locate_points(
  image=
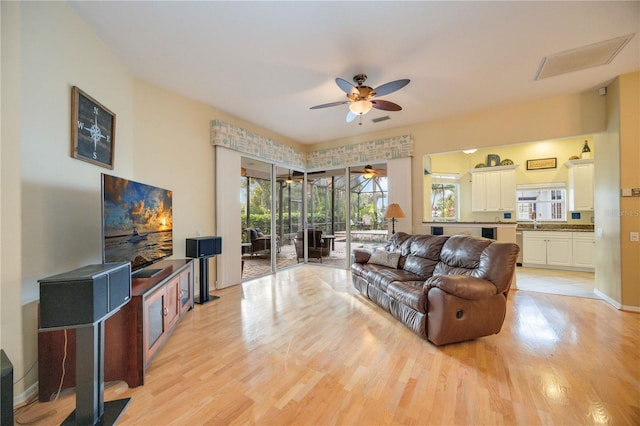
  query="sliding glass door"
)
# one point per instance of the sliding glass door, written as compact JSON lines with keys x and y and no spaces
{"x":327,"y":215}
{"x":369,"y":192}
{"x":289,"y":216}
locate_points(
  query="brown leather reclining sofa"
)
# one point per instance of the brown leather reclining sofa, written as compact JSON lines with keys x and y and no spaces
{"x":445,"y":289}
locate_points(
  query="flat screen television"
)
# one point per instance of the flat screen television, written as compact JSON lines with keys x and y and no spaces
{"x":137,"y":224}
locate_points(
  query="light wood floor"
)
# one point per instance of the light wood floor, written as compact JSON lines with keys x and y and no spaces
{"x":556,"y":281}
{"x":302,"y":347}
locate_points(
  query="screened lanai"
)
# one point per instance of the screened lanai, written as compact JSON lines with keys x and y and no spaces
{"x":327,"y":216}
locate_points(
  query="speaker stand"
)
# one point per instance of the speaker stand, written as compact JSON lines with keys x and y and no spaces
{"x":204,"y":283}
{"x":90,"y":406}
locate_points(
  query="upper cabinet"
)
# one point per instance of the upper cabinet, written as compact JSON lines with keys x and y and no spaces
{"x":493,"y":189}
{"x":580,"y":185}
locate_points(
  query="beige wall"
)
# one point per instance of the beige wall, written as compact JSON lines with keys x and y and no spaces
{"x":460,"y":163}
{"x":607,"y":201}
{"x":50,"y":210}
{"x":630,"y":178}
{"x":53,"y":222}
{"x":555,"y":118}
{"x":50,"y":218}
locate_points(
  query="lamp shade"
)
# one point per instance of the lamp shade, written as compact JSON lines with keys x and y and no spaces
{"x":393,"y":211}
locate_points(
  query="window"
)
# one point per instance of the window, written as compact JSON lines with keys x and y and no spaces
{"x":445,"y":203}
{"x":546,"y":202}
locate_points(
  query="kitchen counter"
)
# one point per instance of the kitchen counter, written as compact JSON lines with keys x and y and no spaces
{"x":500,"y":231}
{"x":483,"y":224}
{"x":555,"y":227}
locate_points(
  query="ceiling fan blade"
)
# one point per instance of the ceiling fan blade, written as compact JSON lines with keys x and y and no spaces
{"x":330,"y":104}
{"x":385,"y":105}
{"x":381,"y":172}
{"x":391,"y":87}
{"x":351,"y":116}
{"x":346,"y":87}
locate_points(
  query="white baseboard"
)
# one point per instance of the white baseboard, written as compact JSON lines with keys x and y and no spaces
{"x":607,"y":299}
{"x":631,"y":308}
{"x":26,"y":395}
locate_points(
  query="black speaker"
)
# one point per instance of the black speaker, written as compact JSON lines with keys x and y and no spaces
{"x":84,"y":296}
{"x":6,"y":390}
{"x":490,"y":233}
{"x":199,"y":247}
{"x":437,"y":230}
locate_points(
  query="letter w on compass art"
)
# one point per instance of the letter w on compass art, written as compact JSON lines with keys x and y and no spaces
{"x":93,"y":129}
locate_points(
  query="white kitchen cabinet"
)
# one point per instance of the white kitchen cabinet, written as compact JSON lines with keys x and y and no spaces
{"x":534,"y":250}
{"x":584,"y":244}
{"x":493,"y":189}
{"x":558,"y":249}
{"x":580,"y":185}
{"x":478,"y":192}
{"x":547,"y":248}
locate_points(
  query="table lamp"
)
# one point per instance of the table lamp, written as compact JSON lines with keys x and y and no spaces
{"x":393,"y":212}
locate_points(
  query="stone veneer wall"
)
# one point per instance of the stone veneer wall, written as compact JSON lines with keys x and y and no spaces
{"x":247,"y":142}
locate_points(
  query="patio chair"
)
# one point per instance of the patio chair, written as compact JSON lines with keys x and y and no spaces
{"x":259,"y":241}
{"x":318,"y":247}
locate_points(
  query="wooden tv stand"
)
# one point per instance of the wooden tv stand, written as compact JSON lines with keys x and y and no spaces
{"x":133,"y":335}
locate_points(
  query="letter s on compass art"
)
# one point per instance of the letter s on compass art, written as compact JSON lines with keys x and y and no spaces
{"x":92,"y":130}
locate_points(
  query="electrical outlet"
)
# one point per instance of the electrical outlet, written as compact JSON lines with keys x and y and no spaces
{"x":633,"y":236}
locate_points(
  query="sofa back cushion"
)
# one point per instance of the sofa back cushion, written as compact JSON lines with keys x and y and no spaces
{"x":400,"y":242}
{"x":424,"y":254}
{"x":479,"y":258}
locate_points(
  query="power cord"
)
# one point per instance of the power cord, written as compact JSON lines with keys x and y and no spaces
{"x":20,"y":409}
{"x":64,"y":359}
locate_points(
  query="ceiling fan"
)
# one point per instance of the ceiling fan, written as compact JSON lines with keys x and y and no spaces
{"x":369,"y":172}
{"x":361,"y":97}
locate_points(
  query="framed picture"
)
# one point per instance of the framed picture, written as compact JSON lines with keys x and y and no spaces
{"x":93,"y":129}
{"x":542,"y":163}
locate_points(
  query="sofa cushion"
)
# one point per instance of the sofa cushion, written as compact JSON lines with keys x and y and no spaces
{"x":424,"y":254}
{"x":463,"y":251}
{"x":465,"y":287}
{"x":409,"y":293}
{"x":396,"y":243}
{"x":384,"y":258}
{"x":381,"y":276}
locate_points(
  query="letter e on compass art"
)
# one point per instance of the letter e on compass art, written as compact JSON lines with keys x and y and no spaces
{"x":93,"y":129}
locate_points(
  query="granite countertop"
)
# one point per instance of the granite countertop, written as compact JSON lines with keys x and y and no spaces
{"x":468,"y":223}
{"x":559,"y":227}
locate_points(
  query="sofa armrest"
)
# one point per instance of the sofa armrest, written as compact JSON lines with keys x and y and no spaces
{"x":462,"y":286}
{"x":360,"y":255}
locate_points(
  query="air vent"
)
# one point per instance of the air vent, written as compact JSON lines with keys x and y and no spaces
{"x":581,"y":58}
{"x":379,"y":119}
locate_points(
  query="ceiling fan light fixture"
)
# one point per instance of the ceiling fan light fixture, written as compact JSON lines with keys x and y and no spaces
{"x":289,"y":178}
{"x":360,"y":107}
{"x":368,"y":172}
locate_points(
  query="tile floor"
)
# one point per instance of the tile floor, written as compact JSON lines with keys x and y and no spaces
{"x":567,"y":283}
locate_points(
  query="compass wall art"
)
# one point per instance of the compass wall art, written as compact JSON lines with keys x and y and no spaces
{"x":93,"y":129}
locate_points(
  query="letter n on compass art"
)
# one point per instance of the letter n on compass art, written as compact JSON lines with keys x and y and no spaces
{"x":93,"y":130}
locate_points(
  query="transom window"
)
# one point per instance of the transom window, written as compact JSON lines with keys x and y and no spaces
{"x":544,"y":202}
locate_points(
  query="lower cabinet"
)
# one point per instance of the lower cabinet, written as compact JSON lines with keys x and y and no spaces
{"x":547,"y":248}
{"x":133,"y":335}
{"x":565,"y":250}
{"x":584,"y":244}
{"x":162,"y":308}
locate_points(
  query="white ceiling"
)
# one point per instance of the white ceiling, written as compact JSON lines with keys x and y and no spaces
{"x":268,"y":62}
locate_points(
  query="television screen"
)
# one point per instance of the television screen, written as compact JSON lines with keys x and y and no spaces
{"x":137,"y":222}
